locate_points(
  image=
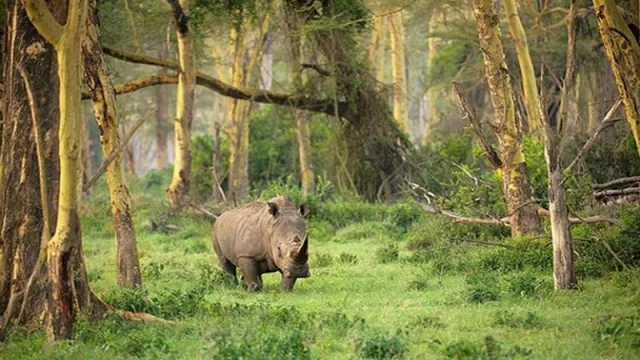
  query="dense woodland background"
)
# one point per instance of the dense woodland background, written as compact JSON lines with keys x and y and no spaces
{"x":487,"y":150}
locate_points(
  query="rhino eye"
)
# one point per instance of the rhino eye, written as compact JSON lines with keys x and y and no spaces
{"x":279,"y":251}
{"x":296,"y":239}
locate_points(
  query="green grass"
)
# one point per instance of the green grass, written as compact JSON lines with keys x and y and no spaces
{"x":357,"y":304}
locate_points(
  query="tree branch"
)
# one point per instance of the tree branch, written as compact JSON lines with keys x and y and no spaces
{"x":116,"y":152}
{"x":468,"y":112}
{"x":604,"y":124}
{"x":302,"y":102}
{"x":612,"y":183}
{"x":43,"y":20}
{"x":616,"y":192}
{"x":319,"y":69}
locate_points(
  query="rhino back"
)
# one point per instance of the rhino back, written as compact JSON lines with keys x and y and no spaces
{"x":242,"y":232}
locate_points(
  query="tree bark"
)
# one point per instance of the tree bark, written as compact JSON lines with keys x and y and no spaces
{"x":69,"y":289}
{"x":433,"y":93}
{"x":516,"y":186}
{"x":530,"y":88}
{"x":307,"y":176}
{"x":554,"y":129}
{"x":21,"y":227}
{"x":623,"y":52}
{"x":105,"y":110}
{"x":398,"y":71}
{"x":179,"y":187}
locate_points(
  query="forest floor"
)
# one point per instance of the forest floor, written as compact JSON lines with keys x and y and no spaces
{"x":362,"y":301}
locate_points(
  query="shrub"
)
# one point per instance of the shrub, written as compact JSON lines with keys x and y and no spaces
{"x":490,"y":349}
{"x":381,"y":347}
{"x":512,"y":320}
{"x":432,"y":322}
{"x":321,"y":260}
{"x":419,"y":285}
{"x":253,"y":344}
{"x":525,"y":284}
{"x":538,"y":256}
{"x":346,"y":258}
{"x":366,"y":230}
{"x":482,"y":288}
{"x":404,"y":214}
{"x":620,"y":331}
{"x":387,"y":254}
{"x":339,"y":323}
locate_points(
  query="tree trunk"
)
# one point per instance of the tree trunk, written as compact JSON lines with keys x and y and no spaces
{"x":245,"y":58}
{"x":530,"y":88}
{"x":105,"y":110}
{"x":162,"y":118}
{"x":179,"y":187}
{"x":623,"y":52}
{"x":68,"y":286}
{"x":21,"y":227}
{"x":524,"y":218}
{"x":563,"y":265}
{"x":266,"y":70}
{"x":235,"y":125}
{"x":433,"y":92}
{"x":297,"y":51}
{"x":398,"y":70}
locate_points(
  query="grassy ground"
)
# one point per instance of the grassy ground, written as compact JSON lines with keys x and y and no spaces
{"x":360,"y":302}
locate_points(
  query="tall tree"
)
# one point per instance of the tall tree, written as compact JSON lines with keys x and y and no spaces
{"x":623,"y":50}
{"x":376,"y":147}
{"x":398,"y":71}
{"x":530,"y":87}
{"x":105,"y":110}
{"x":179,"y":187}
{"x":564,"y":275}
{"x":524,"y":218}
{"x":22,"y":227}
{"x":297,"y":50}
{"x":68,"y":285}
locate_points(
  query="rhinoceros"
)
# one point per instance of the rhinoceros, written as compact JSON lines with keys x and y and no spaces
{"x":263,"y":237}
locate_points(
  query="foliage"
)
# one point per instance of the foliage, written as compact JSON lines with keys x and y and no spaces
{"x":346,"y":258}
{"x":620,"y":331}
{"x":490,"y":349}
{"x":387,"y":253}
{"x":381,"y":347}
{"x":514,"y":320}
{"x":482,"y":287}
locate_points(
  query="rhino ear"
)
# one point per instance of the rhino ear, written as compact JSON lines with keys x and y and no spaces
{"x":273,"y":209}
{"x":304,"y":210}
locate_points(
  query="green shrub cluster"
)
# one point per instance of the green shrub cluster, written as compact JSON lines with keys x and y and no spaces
{"x":489,"y":349}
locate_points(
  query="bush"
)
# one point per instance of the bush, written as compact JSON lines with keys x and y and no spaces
{"x":525,"y":284}
{"x":482,"y":288}
{"x":381,"y":347}
{"x":387,"y":254}
{"x":427,"y":322}
{"x":346,"y":258}
{"x":366,"y":230}
{"x":620,"y":331}
{"x":253,"y":344}
{"x":490,"y":349}
{"x":537,"y":256}
{"x":512,"y":320}
{"x":321,"y":260}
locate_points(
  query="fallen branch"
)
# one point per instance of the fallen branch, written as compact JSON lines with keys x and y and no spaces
{"x":616,"y":192}
{"x":612,"y":183}
{"x":115,"y":153}
{"x":606,"y":122}
{"x":457,"y":218}
{"x":203,"y":210}
{"x":317,"y":68}
{"x":302,"y":102}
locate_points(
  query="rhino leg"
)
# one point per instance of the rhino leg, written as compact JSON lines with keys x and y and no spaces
{"x":250,"y":274}
{"x":227,"y":266}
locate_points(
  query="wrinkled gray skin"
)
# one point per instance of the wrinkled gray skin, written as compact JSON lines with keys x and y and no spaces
{"x":263,"y":237}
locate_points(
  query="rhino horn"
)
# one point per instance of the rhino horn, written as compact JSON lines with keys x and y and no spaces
{"x":301,"y":253}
